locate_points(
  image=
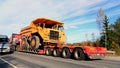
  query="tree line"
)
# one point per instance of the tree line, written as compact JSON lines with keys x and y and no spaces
{"x":110,"y":36}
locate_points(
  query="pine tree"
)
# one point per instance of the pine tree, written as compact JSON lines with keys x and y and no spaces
{"x":115,"y":36}
{"x":104,"y":40}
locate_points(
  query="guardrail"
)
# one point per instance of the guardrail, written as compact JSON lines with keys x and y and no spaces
{"x":111,"y":52}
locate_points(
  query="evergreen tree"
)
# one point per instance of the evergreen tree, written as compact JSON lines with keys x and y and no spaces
{"x":115,"y":36}
{"x":115,"y":32}
{"x":104,"y":40}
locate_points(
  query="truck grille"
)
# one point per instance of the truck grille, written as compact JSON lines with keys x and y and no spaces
{"x":54,"y":35}
{"x":2,"y":49}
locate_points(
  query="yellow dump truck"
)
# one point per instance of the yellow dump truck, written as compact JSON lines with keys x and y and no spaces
{"x":43,"y":31}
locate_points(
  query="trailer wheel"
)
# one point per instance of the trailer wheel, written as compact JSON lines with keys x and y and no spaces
{"x":56,"y":52}
{"x":66,"y":53}
{"x":48,"y":52}
{"x":79,"y":54}
{"x":35,"y":42}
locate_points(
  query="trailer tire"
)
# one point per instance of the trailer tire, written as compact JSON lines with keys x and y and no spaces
{"x":48,"y":52}
{"x":79,"y":54}
{"x":56,"y":52}
{"x":35,"y":42}
{"x":66,"y":53}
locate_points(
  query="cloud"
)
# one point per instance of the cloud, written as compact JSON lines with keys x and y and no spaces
{"x":30,"y":9}
{"x":85,"y":14}
{"x":78,"y":22}
{"x":11,"y":28}
{"x":27,"y":9}
{"x":81,"y":7}
{"x":16,"y":14}
{"x":105,"y":5}
{"x":114,"y":13}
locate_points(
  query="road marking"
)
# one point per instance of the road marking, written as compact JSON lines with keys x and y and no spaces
{"x":9,"y":63}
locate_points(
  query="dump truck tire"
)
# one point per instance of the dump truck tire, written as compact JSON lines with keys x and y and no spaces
{"x":56,"y":52}
{"x":66,"y":53}
{"x":25,"y":44}
{"x":48,"y":52}
{"x":79,"y":54}
{"x":35,"y":42}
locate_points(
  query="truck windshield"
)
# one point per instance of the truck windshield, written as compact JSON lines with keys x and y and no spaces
{"x":60,"y":28}
{"x":3,"y":40}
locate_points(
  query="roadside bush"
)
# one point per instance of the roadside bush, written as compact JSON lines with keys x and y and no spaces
{"x":117,"y":51}
{"x":116,"y":48}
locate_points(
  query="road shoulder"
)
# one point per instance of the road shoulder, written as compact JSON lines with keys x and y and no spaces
{"x":116,"y":58}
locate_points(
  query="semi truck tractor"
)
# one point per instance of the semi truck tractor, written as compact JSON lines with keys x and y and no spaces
{"x":47,"y":36}
{"x":15,"y":40}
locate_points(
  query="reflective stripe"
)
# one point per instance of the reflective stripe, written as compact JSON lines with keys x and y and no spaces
{"x":2,"y":47}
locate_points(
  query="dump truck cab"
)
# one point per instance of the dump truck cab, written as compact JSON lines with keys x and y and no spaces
{"x":49,"y":30}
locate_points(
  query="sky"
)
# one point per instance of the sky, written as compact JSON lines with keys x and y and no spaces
{"x":79,"y":16}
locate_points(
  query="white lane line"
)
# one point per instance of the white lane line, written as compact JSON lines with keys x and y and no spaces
{"x":9,"y":63}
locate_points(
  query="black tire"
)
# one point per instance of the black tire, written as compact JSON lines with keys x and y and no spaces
{"x":48,"y":52}
{"x":79,"y":54}
{"x":36,"y":43}
{"x":66,"y":53}
{"x":56,"y":52}
{"x":12,"y":47}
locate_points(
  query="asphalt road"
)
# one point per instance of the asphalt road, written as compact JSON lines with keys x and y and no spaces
{"x":27,"y":60}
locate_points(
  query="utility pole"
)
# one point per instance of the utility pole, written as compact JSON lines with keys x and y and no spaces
{"x":86,"y":35}
{"x":93,"y":37}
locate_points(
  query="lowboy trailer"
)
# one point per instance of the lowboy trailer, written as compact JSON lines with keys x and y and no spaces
{"x":46,"y":36}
